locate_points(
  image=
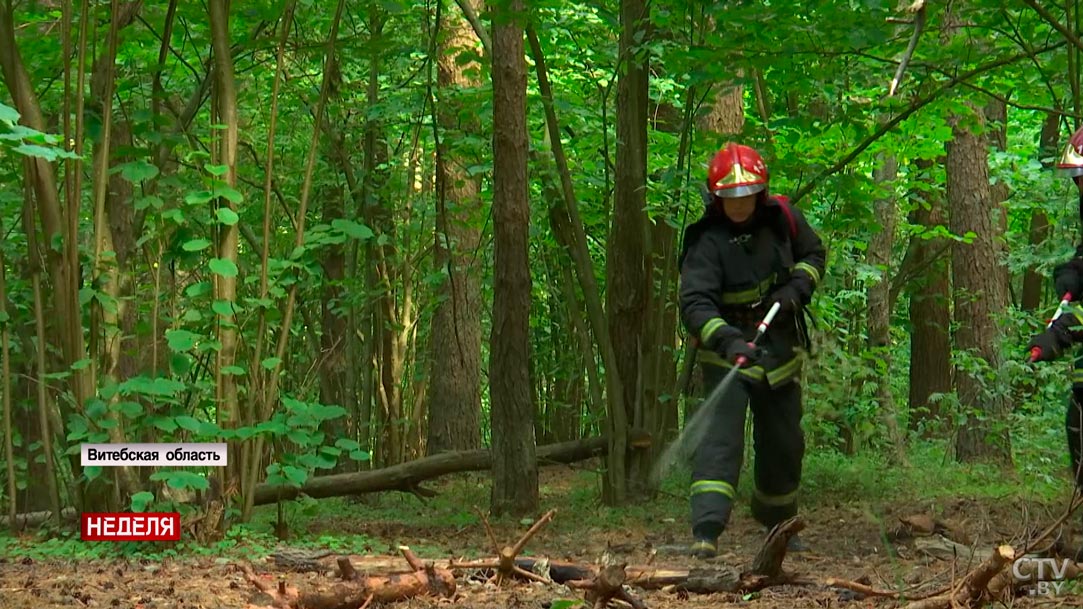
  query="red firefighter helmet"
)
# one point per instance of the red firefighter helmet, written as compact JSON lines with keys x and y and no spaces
{"x":1071,"y":161}
{"x":736,"y":171}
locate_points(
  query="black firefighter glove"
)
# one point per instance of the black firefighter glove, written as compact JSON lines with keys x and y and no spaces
{"x":1051,"y":343}
{"x":729,"y":343}
{"x":795,"y":294}
{"x":1068,"y":277}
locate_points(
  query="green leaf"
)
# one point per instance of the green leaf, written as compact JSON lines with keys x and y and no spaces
{"x":182,"y":480}
{"x":196,"y":245}
{"x":176,"y":215}
{"x":201,"y":197}
{"x":223,"y":267}
{"x":233,"y":370}
{"x":223,"y":308}
{"x":353,"y":229}
{"x":187,"y":423}
{"x":295,"y":475}
{"x":327,"y":412}
{"x":81,"y":364}
{"x":9,"y":114}
{"x":347,"y":444}
{"x":141,"y":500}
{"x":359,"y":455}
{"x":180,"y":340}
{"x":130,"y":409}
{"x":142,"y":203}
{"x":92,"y":471}
{"x":143,"y":385}
{"x":299,"y":436}
{"x":227,"y":216}
{"x":166,"y":424}
{"x":271,"y":362}
{"x":180,"y":364}
{"x":209,"y":429}
{"x":200,"y":288}
{"x":137,"y":171}
{"x":40,"y":151}
{"x":226,"y":192}
{"x":216,"y":170}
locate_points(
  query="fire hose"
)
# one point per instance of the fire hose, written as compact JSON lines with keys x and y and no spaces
{"x":696,"y":428}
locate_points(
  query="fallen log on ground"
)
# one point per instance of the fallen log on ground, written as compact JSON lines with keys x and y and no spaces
{"x":971,"y":591}
{"x":504,"y":562}
{"x":356,"y":589}
{"x":33,"y":519}
{"x":606,"y":587}
{"x":406,"y":476}
{"x":765,"y":571}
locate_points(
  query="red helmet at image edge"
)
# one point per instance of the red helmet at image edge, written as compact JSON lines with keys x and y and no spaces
{"x":736,"y":171}
{"x":1071,"y":160}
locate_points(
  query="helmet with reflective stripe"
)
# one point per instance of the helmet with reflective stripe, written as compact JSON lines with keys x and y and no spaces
{"x":1071,"y":161}
{"x":736,"y":171}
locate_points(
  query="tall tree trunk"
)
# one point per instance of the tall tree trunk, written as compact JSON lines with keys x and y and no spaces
{"x":930,"y":316}
{"x":455,"y":373}
{"x":979,"y":293}
{"x":375,"y":151}
{"x":62,"y":265}
{"x":5,"y":381}
{"x":113,"y":233}
{"x":879,"y":257}
{"x":996,"y":116}
{"x":334,"y":338}
{"x":515,"y":469}
{"x":225,"y":285}
{"x":629,"y":244}
{"x":1049,"y":142}
{"x":726,"y":111}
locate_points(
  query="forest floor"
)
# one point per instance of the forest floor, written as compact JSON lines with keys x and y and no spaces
{"x":849,"y":534}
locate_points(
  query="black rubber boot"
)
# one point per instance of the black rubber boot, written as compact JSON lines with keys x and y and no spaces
{"x":706,"y":540}
{"x":705,"y":548}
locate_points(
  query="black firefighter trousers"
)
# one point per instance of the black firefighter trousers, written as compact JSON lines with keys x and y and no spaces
{"x":779,"y":444}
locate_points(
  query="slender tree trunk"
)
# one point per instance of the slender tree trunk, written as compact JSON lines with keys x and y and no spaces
{"x":629,"y":243}
{"x":572,"y":235}
{"x":62,"y":265}
{"x":225,"y":285}
{"x":1039,"y":223}
{"x":979,"y":295}
{"x":996,"y":116}
{"x":113,"y":228}
{"x":879,"y":256}
{"x":455,"y":373}
{"x":930,"y":317}
{"x":5,"y":353}
{"x":334,"y":338}
{"x":515,"y":469}
{"x":43,"y":404}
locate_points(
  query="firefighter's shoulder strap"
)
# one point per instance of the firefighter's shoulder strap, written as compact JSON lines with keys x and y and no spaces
{"x":784,"y":204}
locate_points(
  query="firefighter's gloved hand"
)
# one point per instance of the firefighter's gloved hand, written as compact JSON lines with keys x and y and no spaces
{"x":1051,"y":343}
{"x":740,"y":348}
{"x":1068,"y":277}
{"x":729,"y":342}
{"x":795,"y":294}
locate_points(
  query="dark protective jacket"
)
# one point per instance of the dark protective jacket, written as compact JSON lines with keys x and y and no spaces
{"x":728,"y":273}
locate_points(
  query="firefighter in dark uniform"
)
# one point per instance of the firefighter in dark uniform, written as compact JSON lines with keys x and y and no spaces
{"x":748,"y":251}
{"x":1061,"y":336}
